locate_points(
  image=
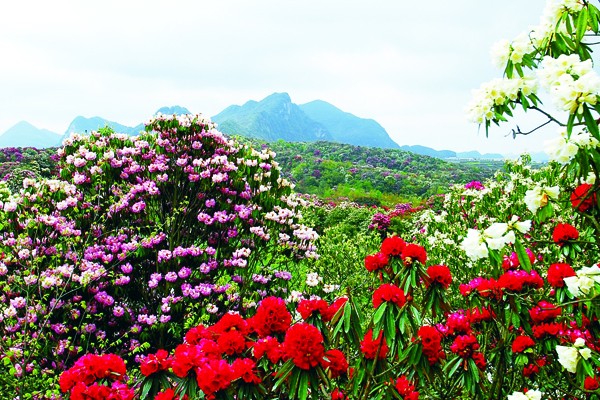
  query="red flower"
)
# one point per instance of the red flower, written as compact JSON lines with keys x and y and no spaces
{"x":245,"y":368}
{"x":480,"y":314}
{"x":522,"y":343}
{"x":440,"y":274}
{"x":464,"y":345}
{"x":336,"y":361}
{"x":231,"y":343}
{"x":155,"y":362}
{"x":431,"y":341}
{"x":544,"y":312}
{"x":557,"y":274}
{"x":563,"y":233}
{"x":230,"y":322}
{"x":479,"y":360}
{"x":581,"y":198}
{"x":333,"y":308}
{"x":392,"y":246}
{"x":337,"y":394}
{"x":374,"y":262}
{"x":413,"y":252}
{"x":530,"y":369}
{"x":269,"y":346}
{"x":271,"y":317}
{"x":590,"y":383}
{"x":304,"y":345}
{"x":406,"y":389}
{"x":214,"y":375}
{"x":390,"y":293}
{"x":197,"y":333}
{"x":92,"y":367}
{"x":547,"y":329}
{"x":516,"y":280}
{"x":306,"y":308}
{"x":369,"y":346}
{"x":458,"y":323}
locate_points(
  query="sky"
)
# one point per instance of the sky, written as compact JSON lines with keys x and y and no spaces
{"x":409,"y":65}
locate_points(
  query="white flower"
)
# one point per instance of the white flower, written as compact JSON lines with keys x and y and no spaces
{"x":313,"y":279}
{"x":538,"y":197}
{"x":586,"y":353}
{"x":530,"y":395}
{"x":568,"y":357}
{"x":584,"y":281}
{"x":579,"y":342}
{"x":474,"y":245}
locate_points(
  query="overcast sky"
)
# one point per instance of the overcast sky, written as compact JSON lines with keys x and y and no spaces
{"x":410,"y":65}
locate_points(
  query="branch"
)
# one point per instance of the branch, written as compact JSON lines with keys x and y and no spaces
{"x":519,"y":132}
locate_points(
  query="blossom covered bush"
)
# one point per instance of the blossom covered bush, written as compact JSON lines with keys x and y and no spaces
{"x":139,"y":238}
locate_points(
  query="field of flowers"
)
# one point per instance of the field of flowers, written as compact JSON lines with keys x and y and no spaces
{"x":178,"y":264}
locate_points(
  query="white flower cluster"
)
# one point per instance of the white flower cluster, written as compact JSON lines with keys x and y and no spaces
{"x":538,"y":197}
{"x":568,"y":356}
{"x":495,"y":237}
{"x":563,"y":148}
{"x":495,"y":93}
{"x":570,"y":81}
{"x":530,"y":395}
{"x":503,"y":51}
{"x":583,"y":281}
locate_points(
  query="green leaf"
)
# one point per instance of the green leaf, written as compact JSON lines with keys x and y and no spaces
{"x":590,"y":122}
{"x":303,"y":386}
{"x":582,"y":23}
{"x":379,"y":313}
{"x":522,"y":255}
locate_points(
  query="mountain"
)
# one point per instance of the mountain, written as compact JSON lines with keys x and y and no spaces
{"x":24,"y":134}
{"x":173,"y":110}
{"x":86,"y":125}
{"x":273,"y":118}
{"x":428,"y":151}
{"x":348,"y":128}
{"x":478,"y":155}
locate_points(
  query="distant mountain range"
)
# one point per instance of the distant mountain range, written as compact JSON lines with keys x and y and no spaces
{"x":274,"y":118}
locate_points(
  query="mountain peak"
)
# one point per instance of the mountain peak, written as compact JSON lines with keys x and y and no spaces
{"x":173,"y":110}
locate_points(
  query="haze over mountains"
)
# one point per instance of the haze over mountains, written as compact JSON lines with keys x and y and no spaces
{"x":275,"y":117}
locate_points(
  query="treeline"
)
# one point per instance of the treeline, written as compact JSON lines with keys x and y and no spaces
{"x":331,"y":171}
{"x":371,"y":175}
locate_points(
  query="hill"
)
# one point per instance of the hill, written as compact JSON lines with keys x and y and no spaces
{"x":24,"y":134}
{"x":348,"y":128}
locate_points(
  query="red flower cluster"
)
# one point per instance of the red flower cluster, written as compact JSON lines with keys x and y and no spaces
{"x":458,"y":323}
{"x":563,"y":233}
{"x":269,"y":346}
{"x":406,"y":389}
{"x":557,"y":274}
{"x":512,"y":261}
{"x":464,"y":345}
{"x":306,"y":308}
{"x":582,"y":198}
{"x":431,"y":341}
{"x":374,"y":262}
{"x":517,"y":280}
{"x":553,"y":329}
{"x":271,"y":317}
{"x":544,"y":312}
{"x":522,"y":343}
{"x":335,"y":361}
{"x":337,"y":394}
{"x":81,"y":378}
{"x":392,"y":246}
{"x":477,"y":314}
{"x":413,"y":252}
{"x":213,"y":375}
{"x":590,"y":383}
{"x":155,"y":362}
{"x":304,"y":345}
{"x":390,"y":293}
{"x":440,"y":274}
{"x":369,"y":346}
{"x":484,"y":287}
{"x":168,"y":394}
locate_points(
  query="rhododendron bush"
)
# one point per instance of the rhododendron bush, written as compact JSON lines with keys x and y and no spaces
{"x":139,"y":238}
{"x":172,"y":265}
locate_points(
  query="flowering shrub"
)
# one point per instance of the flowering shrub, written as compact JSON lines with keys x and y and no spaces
{"x":140,"y":238}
